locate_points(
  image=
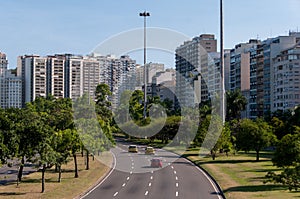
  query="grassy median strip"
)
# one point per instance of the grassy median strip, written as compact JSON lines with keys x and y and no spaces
{"x":241,"y":177}
{"x":69,"y":187}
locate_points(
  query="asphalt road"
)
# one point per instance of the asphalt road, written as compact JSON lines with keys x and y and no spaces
{"x":133,"y":178}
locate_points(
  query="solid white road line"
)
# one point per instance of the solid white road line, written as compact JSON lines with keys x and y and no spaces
{"x":113,"y":168}
{"x":207,"y":177}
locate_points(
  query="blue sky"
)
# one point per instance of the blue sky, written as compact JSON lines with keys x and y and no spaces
{"x":77,"y":26}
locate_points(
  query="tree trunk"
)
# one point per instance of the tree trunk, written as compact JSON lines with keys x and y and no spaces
{"x":76,"y":167}
{"x":257,"y":155}
{"x":87,"y":160}
{"x":56,"y":168}
{"x":20,"y":173}
{"x":59,"y":173}
{"x":43,"y":178}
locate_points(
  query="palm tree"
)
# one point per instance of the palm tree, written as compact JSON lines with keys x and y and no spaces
{"x":236,"y":103}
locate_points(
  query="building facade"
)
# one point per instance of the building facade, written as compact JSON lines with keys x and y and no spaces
{"x":10,"y":85}
{"x":70,"y":76}
{"x":192,"y":63}
{"x":285,"y":89}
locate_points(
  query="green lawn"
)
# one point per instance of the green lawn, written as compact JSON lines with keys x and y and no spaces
{"x":69,"y":187}
{"x":240,"y":176}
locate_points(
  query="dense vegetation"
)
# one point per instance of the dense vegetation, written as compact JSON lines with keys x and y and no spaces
{"x":48,"y":131}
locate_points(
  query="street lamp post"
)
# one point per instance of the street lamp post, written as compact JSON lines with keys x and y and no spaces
{"x":222,"y":63}
{"x":145,"y":15}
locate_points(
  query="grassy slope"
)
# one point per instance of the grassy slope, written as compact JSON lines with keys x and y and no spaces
{"x":69,"y":187}
{"x":240,"y":176}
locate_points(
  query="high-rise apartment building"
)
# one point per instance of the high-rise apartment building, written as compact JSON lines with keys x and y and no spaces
{"x":266,"y":52}
{"x":190,"y":61}
{"x":12,"y":91}
{"x":71,"y":76}
{"x":33,"y":70}
{"x":285,"y":80}
{"x":118,"y":73}
{"x":3,"y":64}
{"x":10,"y":86}
{"x":3,"y":68}
{"x":241,"y":70}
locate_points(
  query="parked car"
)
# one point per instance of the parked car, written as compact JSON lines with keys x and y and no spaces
{"x":149,"y":150}
{"x":133,"y":149}
{"x":155,"y":162}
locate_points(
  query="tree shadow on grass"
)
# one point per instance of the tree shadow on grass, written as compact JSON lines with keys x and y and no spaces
{"x":11,"y":194}
{"x":48,"y":180}
{"x":62,"y":171}
{"x":200,"y":162}
{"x":255,"y":188}
{"x":262,"y":170}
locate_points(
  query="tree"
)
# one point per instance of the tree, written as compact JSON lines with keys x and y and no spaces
{"x":8,"y":138}
{"x":287,"y":157}
{"x":169,"y":106}
{"x":236,"y":103}
{"x":103,"y":105}
{"x":122,"y":112}
{"x":43,"y":128}
{"x":28,"y":124}
{"x":224,"y":143}
{"x":136,"y":106}
{"x":254,"y":135}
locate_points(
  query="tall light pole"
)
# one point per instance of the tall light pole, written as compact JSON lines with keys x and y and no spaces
{"x":145,"y":15}
{"x":222,"y":63}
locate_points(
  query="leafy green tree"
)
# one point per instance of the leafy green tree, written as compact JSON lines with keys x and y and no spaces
{"x":254,"y":135}
{"x":8,"y":138}
{"x":28,"y":124}
{"x":287,"y":157}
{"x":236,"y":103}
{"x":122,"y":111}
{"x":136,"y":106}
{"x":279,"y":127}
{"x":169,"y":106}
{"x":224,"y":143}
{"x":103,"y":105}
{"x":46,"y":155}
{"x":65,"y":142}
